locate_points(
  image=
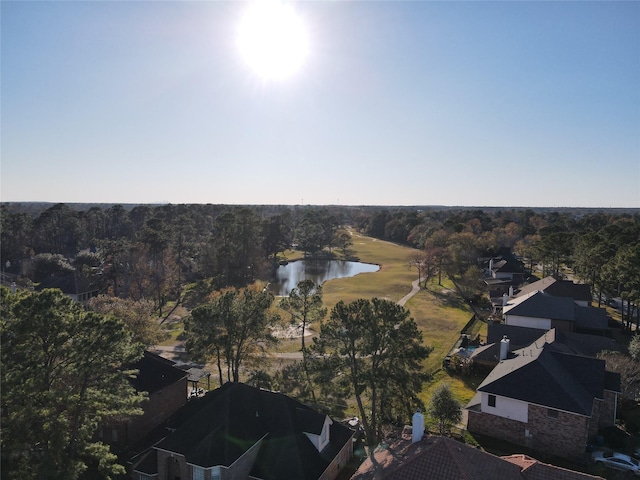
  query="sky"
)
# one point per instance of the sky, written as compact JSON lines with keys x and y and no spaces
{"x":458,"y":103}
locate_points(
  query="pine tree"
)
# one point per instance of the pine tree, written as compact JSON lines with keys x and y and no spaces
{"x":62,"y":373}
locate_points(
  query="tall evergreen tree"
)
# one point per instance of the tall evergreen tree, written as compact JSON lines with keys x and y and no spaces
{"x":378,"y":347}
{"x":234,"y":328}
{"x":62,"y":373}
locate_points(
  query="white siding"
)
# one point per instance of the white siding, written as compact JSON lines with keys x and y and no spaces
{"x":322,"y":440}
{"x":506,"y":407}
{"x":529,"y":322}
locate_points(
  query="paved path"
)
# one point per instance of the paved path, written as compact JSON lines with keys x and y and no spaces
{"x":179,"y":348}
{"x":415,"y":289}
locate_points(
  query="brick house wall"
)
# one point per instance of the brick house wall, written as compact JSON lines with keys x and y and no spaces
{"x":607,"y":409}
{"x":160,"y":406}
{"x":241,"y":468}
{"x":172,"y":466}
{"x":565,"y":435}
{"x":339,"y":462}
{"x":497,"y":427}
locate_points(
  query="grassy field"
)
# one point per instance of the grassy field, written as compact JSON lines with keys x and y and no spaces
{"x":439,"y":311}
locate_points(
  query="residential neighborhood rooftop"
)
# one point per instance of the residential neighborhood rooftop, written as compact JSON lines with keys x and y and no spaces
{"x":443,"y":458}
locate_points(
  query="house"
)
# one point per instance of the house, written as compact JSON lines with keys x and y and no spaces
{"x":487,"y":356}
{"x":547,"y":398}
{"x":242,"y":432}
{"x":579,"y":292}
{"x":75,"y":285}
{"x":442,"y":458}
{"x":506,"y":267}
{"x":166,"y":387}
{"x":538,"y":309}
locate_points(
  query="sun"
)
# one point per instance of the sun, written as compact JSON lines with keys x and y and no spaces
{"x":272,"y":39}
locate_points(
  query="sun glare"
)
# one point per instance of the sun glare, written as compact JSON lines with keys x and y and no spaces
{"x":272,"y":39}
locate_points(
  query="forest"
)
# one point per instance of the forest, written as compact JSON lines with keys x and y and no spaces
{"x":151,"y":251}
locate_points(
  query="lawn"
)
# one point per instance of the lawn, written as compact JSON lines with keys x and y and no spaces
{"x":439,"y":311}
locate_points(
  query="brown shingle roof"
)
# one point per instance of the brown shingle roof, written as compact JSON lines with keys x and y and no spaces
{"x":534,"y":470}
{"x":442,"y":458}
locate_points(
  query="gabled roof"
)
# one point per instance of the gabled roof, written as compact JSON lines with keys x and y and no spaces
{"x":558,"y":288}
{"x":544,"y":375}
{"x":577,"y":343}
{"x":219,"y":427}
{"x":518,"y":336}
{"x":538,"y":304}
{"x":442,"y":458}
{"x":564,"y":342}
{"x":591,"y":318}
{"x":155,"y":373}
{"x":534,"y":470}
{"x":71,"y":284}
{"x":508,"y":265}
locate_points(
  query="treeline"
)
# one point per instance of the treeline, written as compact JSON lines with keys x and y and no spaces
{"x":601,"y":249}
{"x":149,"y":251}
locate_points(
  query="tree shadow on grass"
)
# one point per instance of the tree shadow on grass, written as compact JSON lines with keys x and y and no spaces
{"x":448,"y":298}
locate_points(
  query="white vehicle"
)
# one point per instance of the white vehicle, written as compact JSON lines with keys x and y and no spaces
{"x":618,"y":461}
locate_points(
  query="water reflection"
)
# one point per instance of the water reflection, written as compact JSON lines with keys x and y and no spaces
{"x":288,"y":276}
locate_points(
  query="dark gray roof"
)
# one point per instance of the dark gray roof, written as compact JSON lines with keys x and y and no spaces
{"x":542,"y":375}
{"x":518,"y":336}
{"x":538,"y":304}
{"x":558,"y":288}
{"x":219,"y":427}
{"x":591,"y":318}
{"x":72,"y":284}
{"x":560,"y":341}
{"x":579,"y":343}
{"x":155,"y":373}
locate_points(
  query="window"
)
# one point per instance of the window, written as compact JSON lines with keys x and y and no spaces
{"x":198,"y":473}
{"x":215,"y":473}
{"x":492,"y":400}
{"x":551,"y":413}
{"x":142,"y":476}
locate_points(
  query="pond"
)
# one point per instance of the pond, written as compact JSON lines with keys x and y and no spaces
{"x":288,"y":276}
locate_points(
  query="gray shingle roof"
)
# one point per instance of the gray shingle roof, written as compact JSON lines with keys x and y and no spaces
{"x":558,"y":288}
{"x":538,"y":304}
{"x":543,"y":375}
{"x":219,"y":427}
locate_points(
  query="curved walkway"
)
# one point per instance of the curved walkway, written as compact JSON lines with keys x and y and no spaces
{"x":415,"y":289}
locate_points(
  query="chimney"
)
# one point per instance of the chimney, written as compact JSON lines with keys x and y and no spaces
{"x":504,"y":348}
{"x":505,"y":299}
{"x":417,"y":431}
{"x":511,"y":291}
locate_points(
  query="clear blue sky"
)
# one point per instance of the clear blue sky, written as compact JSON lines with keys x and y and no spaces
{"x":397,"y":103}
